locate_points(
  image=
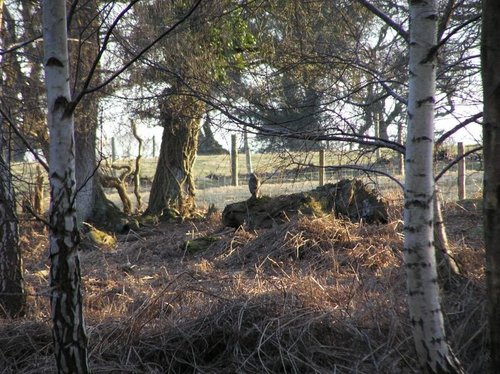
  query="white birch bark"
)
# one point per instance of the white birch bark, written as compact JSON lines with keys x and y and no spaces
{"x":70,"y":339}
{"x":426,"y":316}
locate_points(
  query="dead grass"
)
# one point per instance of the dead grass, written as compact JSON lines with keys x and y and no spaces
{"x":314,"y":295}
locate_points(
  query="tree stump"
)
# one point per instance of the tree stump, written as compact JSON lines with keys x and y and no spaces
{"x":348,"y":198}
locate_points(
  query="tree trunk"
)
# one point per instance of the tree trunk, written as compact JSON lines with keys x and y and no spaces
{"x":86,"y":164}
{"x":173,"y":191}
{"x":234,"y":161}
{"x":69,"y":335}
{"x":434,"y":354}
{"x":12,"y":294}
{"x":490,"y":59}
{"x":33,"y":125}
{"x":83,"y":50}
{"x":91,"y":202}
{"x":23,"y":83}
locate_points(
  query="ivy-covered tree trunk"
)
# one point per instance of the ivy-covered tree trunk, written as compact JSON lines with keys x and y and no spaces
{"x":173,"y":190}
{"x":69,"y":334}
{"x":434,"y":354}
{"x":490,"y":61}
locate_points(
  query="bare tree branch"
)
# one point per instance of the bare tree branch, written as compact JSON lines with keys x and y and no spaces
{"x":462,"y":124}
{"x":20,"y":45}
{"x":344,"y":137}
{"x":102,"y":49}
{"x":455,"y":161}
{"x":23,"y":139}
{"x":367,"y":170}
{"x":457,"y":29}
{"x":140,"y":54}
{"x":388,"y":20}
{"x":445,"y":18}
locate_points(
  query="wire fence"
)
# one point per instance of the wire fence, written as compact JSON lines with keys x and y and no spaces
{"x":218,"y":189}
{"x":463,"y":179}
{"x":220,"y":192}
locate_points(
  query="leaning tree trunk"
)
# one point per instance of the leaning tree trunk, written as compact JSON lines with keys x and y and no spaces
{"x":447,"y":265}
{"x":434,"y":354}
{"x":69,"y":335}
{"x":173,"y":191}
{"x":490,"y":59}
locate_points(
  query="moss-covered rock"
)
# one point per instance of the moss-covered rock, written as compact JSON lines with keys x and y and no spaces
{"x":199,"y":244}
{"x":94,"y":238}
{"x":350,"y":198}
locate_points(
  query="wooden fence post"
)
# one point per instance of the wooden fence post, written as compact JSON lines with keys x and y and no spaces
{"x":113,"y":150}
{"x":461,"y":172}
{"x":377,"y":133}
{"x":248,"y":155}
{"x":154,"y":147}
{"x":321,"y":167}
{"x":234,"y":161}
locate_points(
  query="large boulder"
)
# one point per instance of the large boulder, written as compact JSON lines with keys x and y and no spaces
{"x":348,"y":198}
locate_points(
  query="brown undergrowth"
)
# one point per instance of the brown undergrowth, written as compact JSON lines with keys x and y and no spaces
{"x":314,"y":295}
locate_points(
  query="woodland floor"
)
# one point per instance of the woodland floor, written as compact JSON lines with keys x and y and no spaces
{"x":314,"y":295}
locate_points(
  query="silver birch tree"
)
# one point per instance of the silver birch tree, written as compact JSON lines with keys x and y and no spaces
{"x":434,"y":354}
{"x":490,"y":67}
{"x":69,"y":335}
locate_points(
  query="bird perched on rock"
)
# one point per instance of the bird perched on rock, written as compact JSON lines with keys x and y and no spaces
{"x":254,"y":186}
